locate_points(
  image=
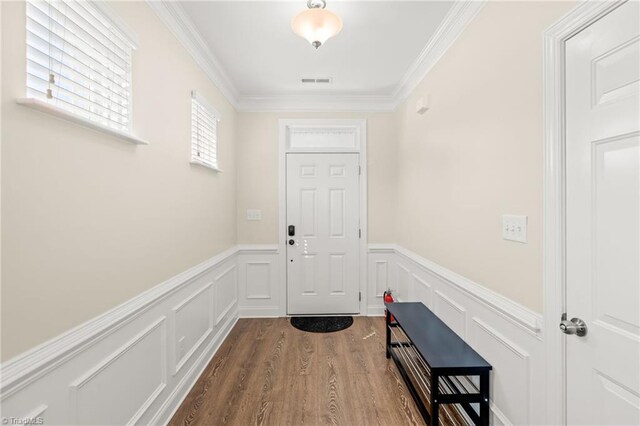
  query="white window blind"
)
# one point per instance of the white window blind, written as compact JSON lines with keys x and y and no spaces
{"x":79,"y":61}
{"x":204,"y":132}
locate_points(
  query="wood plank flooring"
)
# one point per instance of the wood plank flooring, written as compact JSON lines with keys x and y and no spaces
{"x":269,"y":373}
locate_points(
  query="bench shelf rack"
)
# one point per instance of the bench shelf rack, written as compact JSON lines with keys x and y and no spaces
{"x":448,"y":380}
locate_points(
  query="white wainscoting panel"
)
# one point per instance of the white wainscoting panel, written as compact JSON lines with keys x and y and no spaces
{"x":137,"y":362}
{"x":380,"y":262}
{"x":226,"y":290}
{"x":451,"y":312}
{"x":381,"y":277}
{"x":192,"y":322}
{"x":139,"y":366}
{"x":260,"y":285}
{"x":421,"y":292}
{"x":133,"y":364}
{"x":401,"y":293}
{"x":258,"y":280}
{"x":505,"y":333}
{"x":511,"y":378}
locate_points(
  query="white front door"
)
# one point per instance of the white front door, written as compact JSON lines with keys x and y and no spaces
{"x":323,"y":233}
{"x":602,"y":220}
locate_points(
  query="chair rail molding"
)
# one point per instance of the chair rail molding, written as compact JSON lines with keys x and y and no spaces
{"x":555,"y":37}
{"x":525,"y":318}
{"x":317,"y":102}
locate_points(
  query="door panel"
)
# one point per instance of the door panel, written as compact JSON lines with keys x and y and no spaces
{"x":336,"y":213}
{"x":308,"y":210}
{"x":615,"y":231}
{"x":603,"y":218}
{"x":337,"y":273}
{"x":323,"y":204}
{"x":308,"y":274}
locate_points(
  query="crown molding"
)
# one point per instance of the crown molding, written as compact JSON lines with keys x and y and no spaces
{"x":333,"y":103}
{"x":454,"y":23}
{"x":177,"y":21}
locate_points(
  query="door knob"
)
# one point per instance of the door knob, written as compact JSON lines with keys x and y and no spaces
{"x":575,"y":326}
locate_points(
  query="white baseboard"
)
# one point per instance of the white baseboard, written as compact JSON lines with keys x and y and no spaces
{"x":133,"y":364}
{"x":260,"y":312}
{"x":375,"y":311}
{"x":504,"y":332}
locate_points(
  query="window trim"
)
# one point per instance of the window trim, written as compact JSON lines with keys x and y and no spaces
{"x":195,"y":95}
{"x":208,"y":166}
{"x":55,"y":111}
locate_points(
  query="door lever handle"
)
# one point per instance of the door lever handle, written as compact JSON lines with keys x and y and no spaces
{"x":574,"y":326}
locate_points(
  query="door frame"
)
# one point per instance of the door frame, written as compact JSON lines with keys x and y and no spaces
{"x":554,"y":255}
{"x":357,"y":129}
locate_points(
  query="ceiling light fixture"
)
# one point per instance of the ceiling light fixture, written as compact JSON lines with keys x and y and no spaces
{"x":316,"y":24}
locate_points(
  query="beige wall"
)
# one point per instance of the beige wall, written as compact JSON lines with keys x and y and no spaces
{"x":90,"y":221}
{"x":258,"y":141}
{"x":477,"y":153}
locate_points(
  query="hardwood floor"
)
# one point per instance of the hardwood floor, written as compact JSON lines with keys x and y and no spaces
{"x":269,"y":373}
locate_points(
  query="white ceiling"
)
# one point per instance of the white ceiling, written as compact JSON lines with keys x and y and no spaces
{"x":254,"y":45}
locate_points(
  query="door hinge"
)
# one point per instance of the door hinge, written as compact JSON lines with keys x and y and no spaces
{"x":359,"y":296}
{"x":359,"y":170}
{"x":359,"y":233}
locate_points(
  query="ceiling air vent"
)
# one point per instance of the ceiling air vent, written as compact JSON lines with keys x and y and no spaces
{"x":316,"y":80}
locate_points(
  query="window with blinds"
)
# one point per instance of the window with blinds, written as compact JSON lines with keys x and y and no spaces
{"x":79,"y":61}
{"x":204,"y":132}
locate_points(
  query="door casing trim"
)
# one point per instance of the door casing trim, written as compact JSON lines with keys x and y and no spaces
{"x":554,"y":255}
{"x":315,"y":124}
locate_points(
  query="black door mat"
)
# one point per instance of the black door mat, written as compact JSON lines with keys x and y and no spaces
{"x":321,"y":324}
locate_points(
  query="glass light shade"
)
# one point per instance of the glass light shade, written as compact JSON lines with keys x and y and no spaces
{"x":316,"y":25}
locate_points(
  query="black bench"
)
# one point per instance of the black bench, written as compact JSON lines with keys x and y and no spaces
{"x":447,"y":379}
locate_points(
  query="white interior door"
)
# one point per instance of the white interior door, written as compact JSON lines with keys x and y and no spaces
{"x":323,"y":260}
{"x":603,"y":215}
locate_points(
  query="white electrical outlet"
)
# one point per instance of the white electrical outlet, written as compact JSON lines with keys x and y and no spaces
{"x":514,"y":228}
{"x":253,"y":214}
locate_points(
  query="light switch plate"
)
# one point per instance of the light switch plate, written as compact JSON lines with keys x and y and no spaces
{"x":253,"y":214}
{"x":514,"y":228}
